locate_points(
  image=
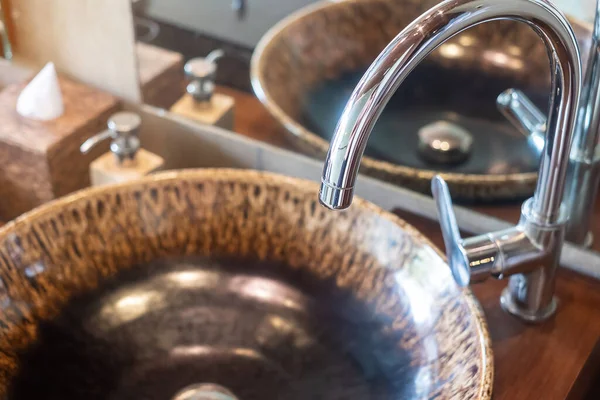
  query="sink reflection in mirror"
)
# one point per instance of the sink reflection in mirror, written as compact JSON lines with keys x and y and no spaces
{"x":429,"y":95}
{"x":305,"y":67}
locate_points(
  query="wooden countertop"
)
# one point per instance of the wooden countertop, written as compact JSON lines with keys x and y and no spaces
{"x":551,"y":361}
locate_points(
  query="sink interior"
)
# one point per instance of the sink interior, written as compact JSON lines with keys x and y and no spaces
{"x":234,"y":278}
{"x":158,"y":328}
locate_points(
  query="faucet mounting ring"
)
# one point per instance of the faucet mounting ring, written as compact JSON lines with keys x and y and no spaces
{"x":511,"y":305}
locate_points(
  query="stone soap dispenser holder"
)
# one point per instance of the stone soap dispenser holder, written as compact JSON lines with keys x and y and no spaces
{"x":43,"y":123}
{"x":200,"y":103}
{"x":125,"y":161}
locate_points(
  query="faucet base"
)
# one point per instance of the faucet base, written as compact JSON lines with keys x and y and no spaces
{"x":510,"y":305}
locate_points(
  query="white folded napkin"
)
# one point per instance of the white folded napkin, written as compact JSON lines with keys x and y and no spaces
{"x":42,"y":99}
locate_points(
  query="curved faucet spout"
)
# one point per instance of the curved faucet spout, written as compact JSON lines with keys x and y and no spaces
{"x":412,"y":45}
{"x":528,"y":253}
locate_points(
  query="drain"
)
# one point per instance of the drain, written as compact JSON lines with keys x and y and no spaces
{"x":204,"y":391}
{"x":442,"y":142}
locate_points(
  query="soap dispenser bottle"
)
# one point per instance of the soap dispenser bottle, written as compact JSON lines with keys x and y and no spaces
{"x":200,"y":103}
{"x":126,"y":161}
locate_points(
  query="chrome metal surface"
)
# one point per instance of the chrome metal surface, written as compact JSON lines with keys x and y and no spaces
{"x":528,"y":253}
{"x":444,"y":142}
{"x":524,"y":115}
{"x":584,"y":169}
{"x":584,"y":173}
{"x":533,"y":246}
{"x":204,"y":391}
{"x":202,"y":72}
{"x":457,"y":257}
{"x":510,"y":304}
{"x":90,"y":143}
{"x":583,"y":182}
{"x":123,"y":129}
{"x":126,"y":123}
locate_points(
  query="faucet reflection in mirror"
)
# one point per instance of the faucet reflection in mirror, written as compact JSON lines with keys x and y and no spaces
{"x":583,"y":177}
{"x":527,"y":252}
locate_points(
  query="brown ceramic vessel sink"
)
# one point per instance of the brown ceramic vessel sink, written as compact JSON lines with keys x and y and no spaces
{"x":187,"y":280}
{"x":305,"y":68}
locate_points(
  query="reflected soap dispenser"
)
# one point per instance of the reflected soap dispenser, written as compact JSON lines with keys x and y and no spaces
{"x":126,"y":161}
{"x":200,"y":103}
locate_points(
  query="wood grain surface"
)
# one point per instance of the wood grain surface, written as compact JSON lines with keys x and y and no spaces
{"x":41,"y":159}
{"x":546,"y":362}
{"x":161,"y":75}
{"x":253,"y":120}
{"x":536,"y":361}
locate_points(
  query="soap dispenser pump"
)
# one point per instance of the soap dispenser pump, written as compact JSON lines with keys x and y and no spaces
{"x":201,"y":103}
{"x":126,"y":161}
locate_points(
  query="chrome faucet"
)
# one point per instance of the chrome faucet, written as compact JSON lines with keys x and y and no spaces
{"x":583,"y":176}
{"x":529,"y":251}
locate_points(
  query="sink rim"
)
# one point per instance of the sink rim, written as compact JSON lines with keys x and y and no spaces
{"x":479,"y":187}
{"x":219,"y":174}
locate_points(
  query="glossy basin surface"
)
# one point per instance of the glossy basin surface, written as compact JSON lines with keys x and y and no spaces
{"x":430,"y":95}
{"x":234,"y":278}
{"x":305,"y":68}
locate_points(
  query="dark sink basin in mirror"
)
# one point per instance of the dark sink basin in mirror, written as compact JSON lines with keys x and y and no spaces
{"x":305,"y":67}
{"x":431,"y":94}
{"x":231,"y":278}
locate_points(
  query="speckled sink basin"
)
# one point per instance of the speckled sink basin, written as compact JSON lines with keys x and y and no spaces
{"x":234,"y":278}
{"x":305,"y":68}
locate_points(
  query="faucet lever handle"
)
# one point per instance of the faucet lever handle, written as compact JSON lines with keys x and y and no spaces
{"x":455,"y":251}
{"x":521,"y":112}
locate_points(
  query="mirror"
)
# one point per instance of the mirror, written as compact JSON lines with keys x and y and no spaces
{"x":457,"y":85}
{"x":194,"y":28}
